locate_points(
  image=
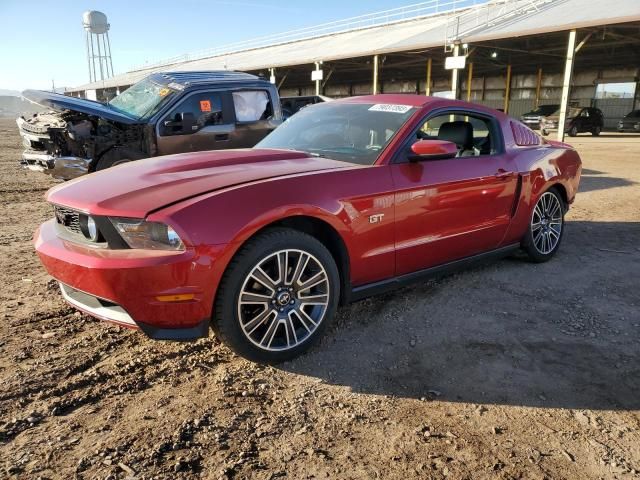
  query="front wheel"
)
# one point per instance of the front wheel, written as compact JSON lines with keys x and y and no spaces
{"x":596,"y":131}
{"x":573,"y":131}
{"x":546,"y":227}
{"x":277,"y":296}
{"x":108,"y":162}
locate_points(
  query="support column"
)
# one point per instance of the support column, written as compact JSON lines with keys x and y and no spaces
{"x":566,"y":84}
{"x":375,"y":74}
{"x":538,"y":86}
{"x":469,"y":79}
{"x":454,"y":73}
{"x":317,"y":80}
{"x":428,"y":86}
{"x":507,"y":90}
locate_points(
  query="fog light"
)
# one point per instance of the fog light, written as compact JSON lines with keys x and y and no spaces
{"x":89,"y":228}
{"x":92,"y":229}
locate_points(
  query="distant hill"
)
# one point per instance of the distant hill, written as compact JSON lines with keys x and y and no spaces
{"x":9,"y":93}
{"x":13,"y":106}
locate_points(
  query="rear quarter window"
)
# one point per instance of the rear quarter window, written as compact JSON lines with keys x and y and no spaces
{"x":523,"y":135}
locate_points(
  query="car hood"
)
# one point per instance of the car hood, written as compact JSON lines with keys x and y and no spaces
{"x":61,"y":102}
{"x":138,"y":188}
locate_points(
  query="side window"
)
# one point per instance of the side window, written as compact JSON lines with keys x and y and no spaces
{"x":472,"y":134}
{"x":206,"y":108}
{"x":252,"y":105}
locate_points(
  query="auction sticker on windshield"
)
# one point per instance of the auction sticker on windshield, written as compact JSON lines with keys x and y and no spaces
{"x":388,"y":107}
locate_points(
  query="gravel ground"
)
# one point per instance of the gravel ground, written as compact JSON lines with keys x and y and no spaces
{"x":512,"y":370}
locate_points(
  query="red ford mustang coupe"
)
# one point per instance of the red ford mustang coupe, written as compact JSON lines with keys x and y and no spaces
{"x":343,"y":200}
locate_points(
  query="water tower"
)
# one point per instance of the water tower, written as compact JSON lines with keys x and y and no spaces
{"x":98,"y":45}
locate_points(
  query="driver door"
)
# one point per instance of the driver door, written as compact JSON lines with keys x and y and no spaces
{"x":200,"y":121}
{"x":452,"y":208}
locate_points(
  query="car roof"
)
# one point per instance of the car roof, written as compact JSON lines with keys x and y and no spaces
{"x":408,"y":99}
{"x":422,"y":101}
{"x":205,"y":76}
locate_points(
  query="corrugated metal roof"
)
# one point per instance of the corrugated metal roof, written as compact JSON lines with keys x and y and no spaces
{"x":426,"y":32}
{"x":195,"y":77}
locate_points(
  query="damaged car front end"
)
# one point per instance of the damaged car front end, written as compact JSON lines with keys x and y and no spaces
{"x":76,"y":136}
{"x":54,"y":144}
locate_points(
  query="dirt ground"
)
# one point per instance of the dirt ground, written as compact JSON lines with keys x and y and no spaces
{"x":512,"y":370}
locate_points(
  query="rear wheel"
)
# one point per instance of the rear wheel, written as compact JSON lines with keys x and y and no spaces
{"x":277,"y":297}
{"x":546,"y":227}
{"x":596,"y":131}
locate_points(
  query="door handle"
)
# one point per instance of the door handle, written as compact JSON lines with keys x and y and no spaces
{"x":503,"y":174}
{"x":221,"y":137}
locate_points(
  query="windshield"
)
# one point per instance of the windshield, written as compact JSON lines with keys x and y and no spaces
{"x":545,"y":110}
{"x":142,"y":99}
{"x":351,"y":132}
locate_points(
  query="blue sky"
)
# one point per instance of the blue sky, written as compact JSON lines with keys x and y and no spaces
{"x":41,"y":40}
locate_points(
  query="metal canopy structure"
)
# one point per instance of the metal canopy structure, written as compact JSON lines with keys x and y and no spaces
{"x":507,"y":25}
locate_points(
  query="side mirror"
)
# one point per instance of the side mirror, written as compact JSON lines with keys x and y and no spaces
{"x":188,"y":121}
{"x":433,"y":150}
{"x":183,"y":122}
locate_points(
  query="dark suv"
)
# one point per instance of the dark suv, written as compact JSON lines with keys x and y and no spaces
{"x":164,"y":113}
{"x":587,"y":119}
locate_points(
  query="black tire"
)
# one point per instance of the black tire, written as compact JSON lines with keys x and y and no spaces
{"x":544,"y":133}
{"x":530,"y":242}
{"x":573,"y":131}
{"x":596,"y":131}
{"x":118,"y":155}
{"x":108,"y":161}
{"x":226,"y":321}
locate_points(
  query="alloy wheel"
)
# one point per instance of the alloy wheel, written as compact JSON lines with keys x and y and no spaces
{"x":283,"y":300}
{"x":546,"y":223}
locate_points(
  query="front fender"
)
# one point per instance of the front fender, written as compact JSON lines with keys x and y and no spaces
{"x":344,"y":199}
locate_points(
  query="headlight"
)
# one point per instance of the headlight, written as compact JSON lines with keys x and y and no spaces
{"x":147,"y":235}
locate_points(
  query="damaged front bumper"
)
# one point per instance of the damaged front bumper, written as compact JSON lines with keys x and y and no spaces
{"x":63,"y":168}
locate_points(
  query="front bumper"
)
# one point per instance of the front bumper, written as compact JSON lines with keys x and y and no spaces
{"x":629,"y":127}
{"x":552,"y":127}
{"x":63,"y":168}
{"x":123,"y":286}
{"x":533,"y":124}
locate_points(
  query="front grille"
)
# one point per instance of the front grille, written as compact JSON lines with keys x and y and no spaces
{"x":70,"y":219}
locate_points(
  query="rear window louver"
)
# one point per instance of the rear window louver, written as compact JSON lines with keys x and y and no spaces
{"x":523,"y":135}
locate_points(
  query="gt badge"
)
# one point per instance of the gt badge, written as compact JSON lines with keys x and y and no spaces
{"x":376,"y":218}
